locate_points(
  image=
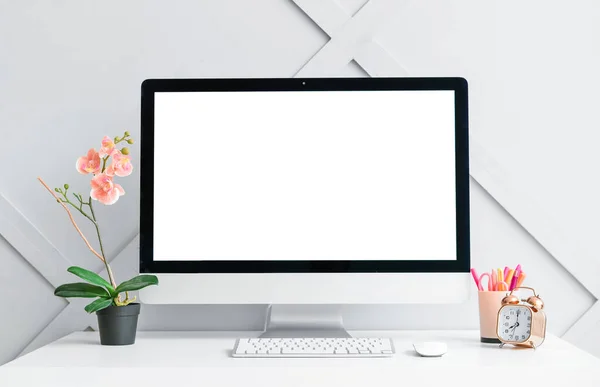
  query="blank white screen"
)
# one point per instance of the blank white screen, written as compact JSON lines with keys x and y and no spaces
{"x":351,"y":175}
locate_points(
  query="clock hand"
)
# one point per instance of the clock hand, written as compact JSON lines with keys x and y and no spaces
{"x":516,"y":323}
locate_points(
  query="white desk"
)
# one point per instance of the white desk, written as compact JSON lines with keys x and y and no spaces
{"x":203,"y":359}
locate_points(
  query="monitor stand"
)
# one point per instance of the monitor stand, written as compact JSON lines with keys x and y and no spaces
{"x":300,"y":321}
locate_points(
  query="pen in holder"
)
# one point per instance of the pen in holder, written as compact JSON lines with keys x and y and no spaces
{"x":489,"y":305}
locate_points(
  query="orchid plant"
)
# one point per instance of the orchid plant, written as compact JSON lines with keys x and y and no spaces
{"x":104,"y":165}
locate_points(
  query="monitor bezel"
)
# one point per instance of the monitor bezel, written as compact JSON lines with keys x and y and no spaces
{"x":151,"y":86}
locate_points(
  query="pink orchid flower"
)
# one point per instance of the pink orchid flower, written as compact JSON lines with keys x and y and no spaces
{"x":89,"y":164}
{"x":105,"y":190}
{"x":108,"y":147}
{"x":121,"y":165}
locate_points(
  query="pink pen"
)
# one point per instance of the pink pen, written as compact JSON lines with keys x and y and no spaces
{"x":489,"y":284}
{"x":476,"y":279}
{"x":518,"y":270}
{"x":515,"y":278}
{"x":494,"y":280}
{"x":506,"y":270}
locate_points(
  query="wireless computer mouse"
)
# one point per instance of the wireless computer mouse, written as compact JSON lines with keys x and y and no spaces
{"x":430,"y":348}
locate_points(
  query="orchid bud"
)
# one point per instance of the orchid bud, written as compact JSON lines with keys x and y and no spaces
{"x":125,"y":151}
{"x":56,"y":190}
{"x":66,"y":186}
{"x":130,"y":141}
{"x":126,"y":134}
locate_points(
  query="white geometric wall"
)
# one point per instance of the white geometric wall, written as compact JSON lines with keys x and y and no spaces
{"x":70,"y":73}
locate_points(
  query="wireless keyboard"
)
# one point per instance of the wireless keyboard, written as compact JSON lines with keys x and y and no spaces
{"x":314,"y":347}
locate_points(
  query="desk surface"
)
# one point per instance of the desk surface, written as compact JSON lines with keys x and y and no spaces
{"x":184,"y":358}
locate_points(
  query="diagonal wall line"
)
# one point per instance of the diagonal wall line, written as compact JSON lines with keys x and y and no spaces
{"x":538,"y":222}
{"x":585,"y":326}
{"x":32,"y":245}
{"x":71,"y":319}
{"x":330,"y":16}
{"x":377,"y":61}
{"x":351,"y":38}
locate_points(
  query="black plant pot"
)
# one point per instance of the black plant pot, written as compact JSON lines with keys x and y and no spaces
{"x":118,"y":324}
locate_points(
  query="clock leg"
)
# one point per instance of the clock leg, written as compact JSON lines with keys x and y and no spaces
{"x":532,"y":345}
{"x":501,"y":345}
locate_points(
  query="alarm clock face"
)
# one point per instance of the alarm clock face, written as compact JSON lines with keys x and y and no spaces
{"x":514,"y":323}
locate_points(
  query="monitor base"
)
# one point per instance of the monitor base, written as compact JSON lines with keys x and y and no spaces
{"x":299,"y":321}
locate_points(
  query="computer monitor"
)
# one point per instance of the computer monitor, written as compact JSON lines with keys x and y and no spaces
{"x":322,"y":191}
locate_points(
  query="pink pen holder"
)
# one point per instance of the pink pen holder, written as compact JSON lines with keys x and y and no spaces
{"x":489,"y":305}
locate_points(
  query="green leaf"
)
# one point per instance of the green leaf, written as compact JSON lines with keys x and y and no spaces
{"x":91,"y":277}
{"x":80,"y":289}
{"x":137,"y":283}
{"x":98,"y":304}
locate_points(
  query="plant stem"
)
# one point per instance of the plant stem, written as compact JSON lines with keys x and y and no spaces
{"x":72,"y":220}
{"x":108,"y":269}
{"x":92,"y":219}
{"x":104,"y":164}
{"x":80,"y":209}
